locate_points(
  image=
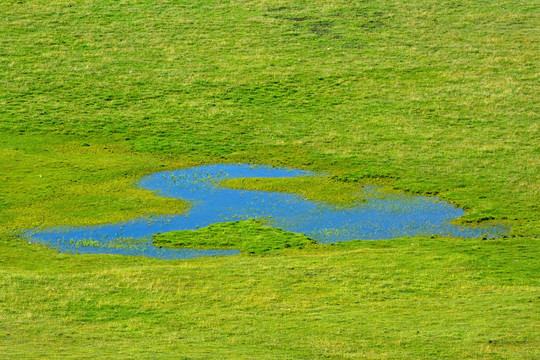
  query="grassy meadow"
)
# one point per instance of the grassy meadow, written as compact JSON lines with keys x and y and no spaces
{"x":425,"y":97}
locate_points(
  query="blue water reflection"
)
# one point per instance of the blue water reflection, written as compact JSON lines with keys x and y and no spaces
{"x":384,"y":217}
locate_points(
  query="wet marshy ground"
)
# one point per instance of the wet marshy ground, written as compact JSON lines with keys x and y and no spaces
{"x":379,"y":217}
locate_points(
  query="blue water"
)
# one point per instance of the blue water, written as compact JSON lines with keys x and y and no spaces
{"x":381,"y":217}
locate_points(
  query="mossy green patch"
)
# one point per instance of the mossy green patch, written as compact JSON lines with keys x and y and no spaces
{"x":250,"y":237}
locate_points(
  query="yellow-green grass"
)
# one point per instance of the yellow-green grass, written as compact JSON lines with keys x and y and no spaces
{"x":423,"y":96}
{"x":52,"y":182}
{"x":318,"y":188}
{"x":396,"y":299}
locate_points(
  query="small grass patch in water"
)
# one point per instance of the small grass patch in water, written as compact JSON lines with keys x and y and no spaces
{"x":250,"y":237}
{"x":315,"y":188}
{"x":120,"y":243}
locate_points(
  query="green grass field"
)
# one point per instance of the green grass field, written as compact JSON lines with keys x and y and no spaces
{"x":426,"y":97}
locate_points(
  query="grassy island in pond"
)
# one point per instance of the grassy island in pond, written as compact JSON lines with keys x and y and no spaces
{"x":419,"y":97}
{"x":250,"y":237}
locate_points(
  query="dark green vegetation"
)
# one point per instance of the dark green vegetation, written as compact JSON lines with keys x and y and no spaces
{"x":250,"y":237}
{"x":432,"y":97}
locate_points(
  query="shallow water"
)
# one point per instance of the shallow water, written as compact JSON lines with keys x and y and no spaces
{"x":385,"y":217}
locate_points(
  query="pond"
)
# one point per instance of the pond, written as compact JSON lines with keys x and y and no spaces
{"x":380,"y":217}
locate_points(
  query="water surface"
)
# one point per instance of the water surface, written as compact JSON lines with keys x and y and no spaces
{"x":384,"y":217}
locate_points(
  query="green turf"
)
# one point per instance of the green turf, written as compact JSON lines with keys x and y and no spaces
{"x":422,"y":96}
